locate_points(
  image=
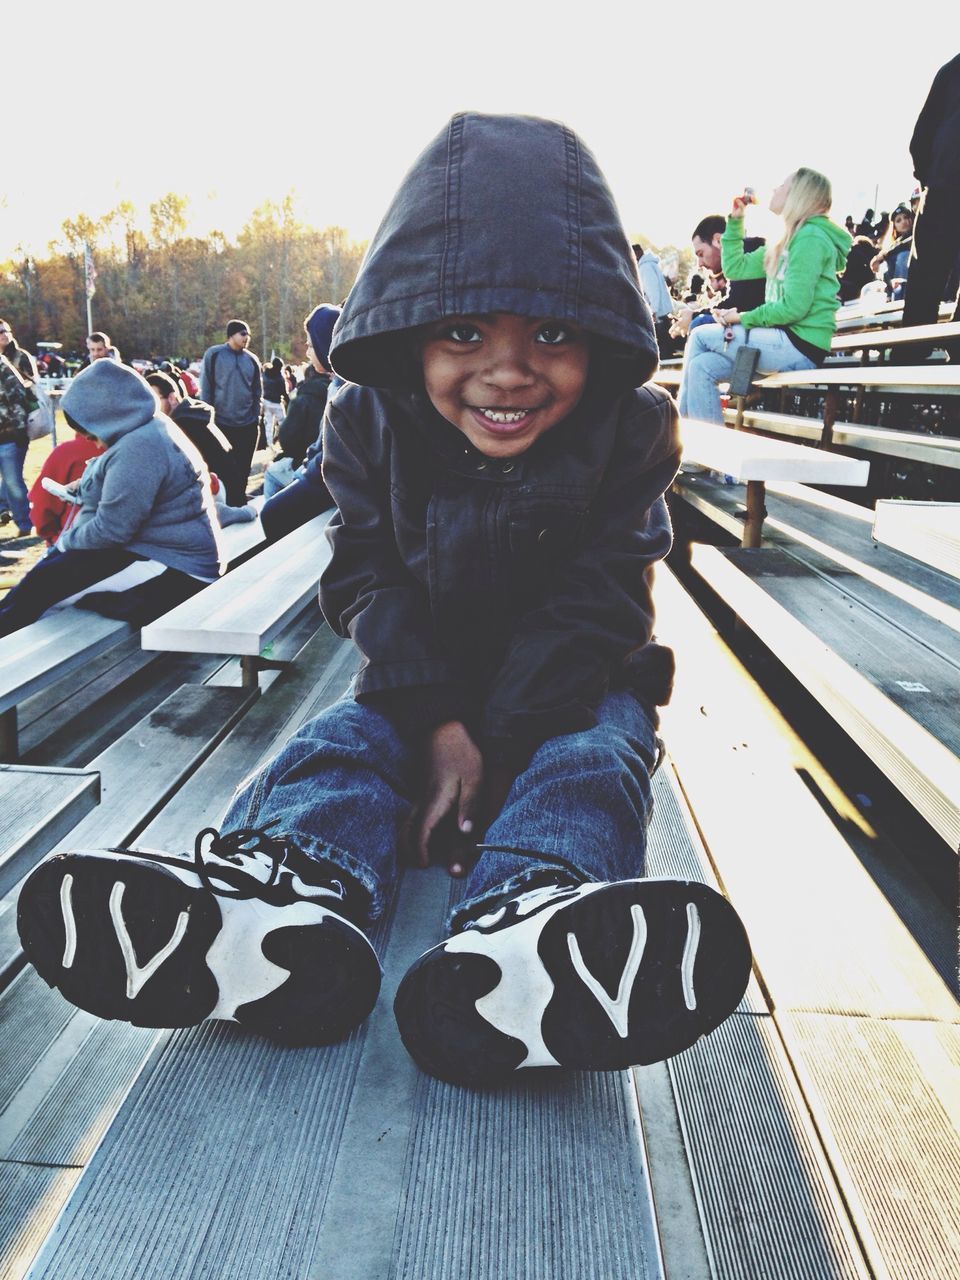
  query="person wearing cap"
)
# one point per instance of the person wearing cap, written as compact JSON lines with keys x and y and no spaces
{"x":232,"y":381}
{"x":302,"y":492}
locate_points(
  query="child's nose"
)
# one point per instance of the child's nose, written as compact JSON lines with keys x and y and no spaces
{"x":508,"y":368}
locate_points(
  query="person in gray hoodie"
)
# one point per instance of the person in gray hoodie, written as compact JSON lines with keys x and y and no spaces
{"x":146,"y":498}
{"x":499,"y":471}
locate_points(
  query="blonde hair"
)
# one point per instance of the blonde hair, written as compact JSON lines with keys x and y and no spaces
{"x":810,"y":194}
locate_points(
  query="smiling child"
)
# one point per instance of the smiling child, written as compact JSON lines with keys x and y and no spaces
{"x":499,"y":468}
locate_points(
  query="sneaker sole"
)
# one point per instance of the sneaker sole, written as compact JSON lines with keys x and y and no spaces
{"x":621,"y":975}
{"x":144,"y":942}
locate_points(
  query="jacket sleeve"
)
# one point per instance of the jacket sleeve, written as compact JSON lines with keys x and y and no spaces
{"x":126,"y":500}
{"x":805,"y":265}
{"x":207,"y":385}
{"x":368,"y":594}
{"x":46,"y":512}
{"x":736,"y":264}
{"x":921,"y":144}
{"x":598,"y":609}
{"x":301,"y":425}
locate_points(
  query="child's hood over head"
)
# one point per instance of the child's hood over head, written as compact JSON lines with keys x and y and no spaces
{"x":499,"y":213}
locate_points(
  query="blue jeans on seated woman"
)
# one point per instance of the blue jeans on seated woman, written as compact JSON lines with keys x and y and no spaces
{"x":709,"y":358}
{"x":344,"y":786}
{"x":12,"y":455}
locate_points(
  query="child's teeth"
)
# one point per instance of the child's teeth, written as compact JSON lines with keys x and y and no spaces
{"x":504,"y":415}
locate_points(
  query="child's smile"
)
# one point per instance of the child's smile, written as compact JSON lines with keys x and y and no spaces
{"x":502,"y":379}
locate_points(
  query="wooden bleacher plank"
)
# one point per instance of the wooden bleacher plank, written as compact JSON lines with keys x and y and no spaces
{"x":885,"y":1095}
{"x":930,"y":379}
{"x":939,"y":451}
{"x":766,"y":1192}
{"x":824,"y":937}
{"x":37,"y":807}
{"x":765,"y":1195}
{"x":833,"y":537}
{"x":896,"y":699}
{"x":841,"y":969}
{"x":61,"y":1108}
{"x":53,"y":650}
{"x":853,"y":316}
{"x":889,"y":338}
{"x":22,"y":1229}
{"x":242,"y":612}
{"x":748,"y":457}
{"x":49,"y":649}
{"x":396,"y":1178}
{"x":926,"y":531}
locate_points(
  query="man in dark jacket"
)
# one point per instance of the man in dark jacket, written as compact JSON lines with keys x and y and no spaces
{"x":231,"y":380}
{"x":935,"y":148}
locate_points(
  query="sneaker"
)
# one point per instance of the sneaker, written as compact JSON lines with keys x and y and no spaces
{"x":595,"y":977}
{"x":245,"y":931}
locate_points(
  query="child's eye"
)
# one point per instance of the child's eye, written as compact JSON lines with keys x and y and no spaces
{"x":462,"y":333}
{"x":553,"y":333}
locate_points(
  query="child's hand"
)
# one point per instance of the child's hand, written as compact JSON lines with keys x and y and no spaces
{"x":453,"y":783}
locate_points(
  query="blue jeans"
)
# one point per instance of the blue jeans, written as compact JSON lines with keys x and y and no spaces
{"x":709,"y":358}
{"x":14,"y":489}
{"x":278,"y":475}
{"x":344,"y":785}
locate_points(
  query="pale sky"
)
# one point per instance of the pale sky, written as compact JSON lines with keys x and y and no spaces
{"x":233,"y":102}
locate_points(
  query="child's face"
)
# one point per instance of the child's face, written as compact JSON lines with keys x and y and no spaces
{"x":503,"y":380}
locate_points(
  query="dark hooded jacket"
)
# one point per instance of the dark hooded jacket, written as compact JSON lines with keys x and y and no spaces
{"x":935,"y":145}
{"x":508,"y":593}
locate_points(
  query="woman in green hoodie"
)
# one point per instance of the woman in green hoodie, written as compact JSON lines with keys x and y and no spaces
{"x":793,"y":327}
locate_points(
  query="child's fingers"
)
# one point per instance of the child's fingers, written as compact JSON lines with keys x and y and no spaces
{"x":469,"y":805}
{"x":433,"y":812}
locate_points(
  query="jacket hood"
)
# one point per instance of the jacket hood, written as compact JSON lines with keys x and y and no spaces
{"x":109,"y":400}
{"x":649,"y":256}
{"x":839,"y":238}
{"x":499,"y":213}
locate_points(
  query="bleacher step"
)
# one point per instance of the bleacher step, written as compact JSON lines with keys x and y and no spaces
{"x":895,"y":698}
{"x":927,"y":531}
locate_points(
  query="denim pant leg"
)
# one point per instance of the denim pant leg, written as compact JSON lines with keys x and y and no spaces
{"x":583,"y":802}
{"x":340,"y":789}
{"x":709,"y":361}
{"x":12,"y":456}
